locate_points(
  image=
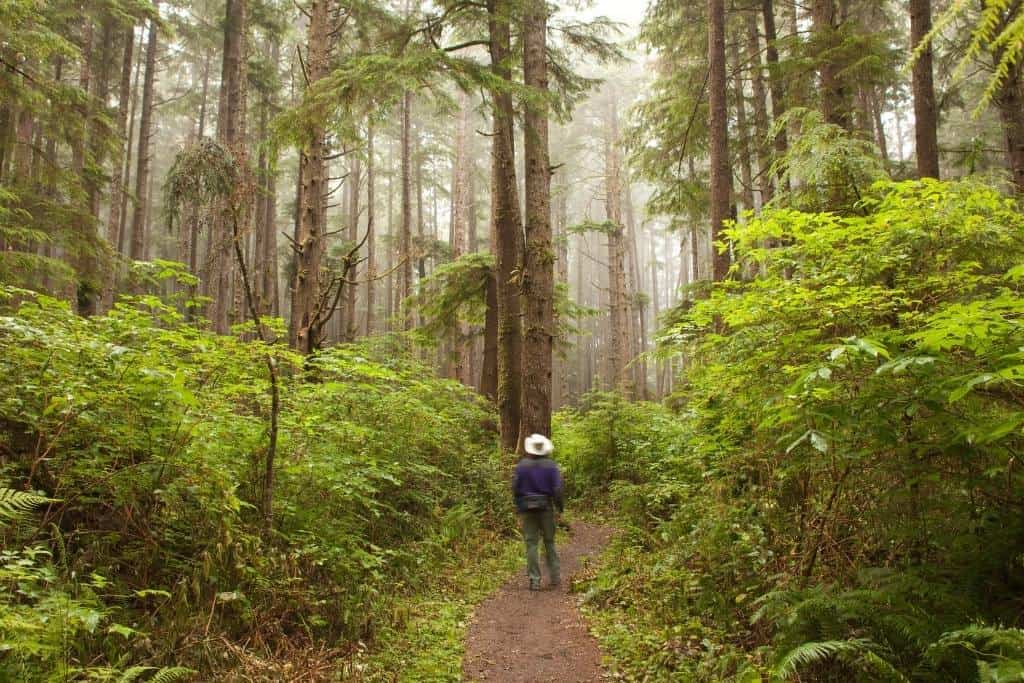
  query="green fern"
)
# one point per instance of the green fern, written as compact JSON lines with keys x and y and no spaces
{"x":816,"y":653}
{"x":167,"y":674}
{"x":17,"y":504}
{"x":858,"y":653}
{"x":998,"y":653}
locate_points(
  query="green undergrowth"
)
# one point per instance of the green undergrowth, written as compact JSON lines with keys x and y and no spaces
{"x":144,"y":439}
{"x":426,"y":641}
{"x":833,"y":493}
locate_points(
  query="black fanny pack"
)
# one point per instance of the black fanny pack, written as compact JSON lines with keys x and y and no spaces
{"x":531,"y":503}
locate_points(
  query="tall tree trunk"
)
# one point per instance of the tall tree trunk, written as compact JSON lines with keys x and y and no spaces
{"x":351,"y":317}
{"x":877,"y":103}
{"x":309,"y":243}
{"x":271,"y":294}
{"x":581,"y":339}
{"x":138,"y":243}
{"x":506,"y":226}
{"x":656,"y":312}
{"x":775,"y":82}
{"x":926,"y":115}
{"x":489,"y":366}
{"x":560,"y":392}
{"x":637,"y":308}
{"x":405,"y":289}
{"x":371,"y":230}
{"x":117,"y":179}
{"x":472,"y":239}
{"x":721,"y":175}
{"x":461,"y":348}
{"x":618,"y":356}
{"x":421,"y":247}
{"x":538,"y":262}
{"x":230,"y":133}
{"x":389,"y":295}
{"x":122,"y":230}
{"x":1010,"y":103}
{"x":742,"y":131}
{"x":92,"y":280}
{"x":264,"y":256}
{"x":764,"y":161}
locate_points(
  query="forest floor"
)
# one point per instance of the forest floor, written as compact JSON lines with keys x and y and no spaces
{"x":518,"y":635}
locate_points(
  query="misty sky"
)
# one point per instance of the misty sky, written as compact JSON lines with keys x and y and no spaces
{"x":626,"y":11}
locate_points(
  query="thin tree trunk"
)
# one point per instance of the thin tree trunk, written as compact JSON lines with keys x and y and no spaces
{"x":637,"y":309}
{"x":764,"y":161}
{"x":421,"y":259}
{"x":775,"y":83}
{"x":742,"y":130}
{"x":877,"y":102}
{"x":656,"y":312}
{"x":721,"y":175}
{"x":271,"y":286}
{"x":489,"y":366}
{"x":351,"y":318}
{"x":122,"y":230}
{"x":406,"y":251}
{"x":138,"y":242}
{"x":618,"y":356}
{"x":371,"y":230}
{"x":389,"y":295}
{"x":460,"y":207}
{"x":117,"y":182}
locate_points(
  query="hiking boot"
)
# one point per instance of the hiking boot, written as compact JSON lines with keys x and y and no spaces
{"x":534,"y":585}
{"x":556,"y":582}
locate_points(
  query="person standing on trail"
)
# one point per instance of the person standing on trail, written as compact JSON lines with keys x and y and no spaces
{"x":537,"y":490}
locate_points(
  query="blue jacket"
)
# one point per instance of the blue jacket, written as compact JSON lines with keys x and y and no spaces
{"x":538,"y":476}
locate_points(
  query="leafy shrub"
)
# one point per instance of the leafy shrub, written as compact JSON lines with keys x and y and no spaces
{"x":147,"y":437}
{"x":845,"y":459}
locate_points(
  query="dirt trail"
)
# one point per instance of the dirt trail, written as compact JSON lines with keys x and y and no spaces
{"x":519,"y":636}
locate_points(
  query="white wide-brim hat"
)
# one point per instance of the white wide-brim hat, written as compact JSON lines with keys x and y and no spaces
{"x":538,"y":444}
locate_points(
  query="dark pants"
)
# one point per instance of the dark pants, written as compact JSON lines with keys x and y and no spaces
{"x":538,"y":524}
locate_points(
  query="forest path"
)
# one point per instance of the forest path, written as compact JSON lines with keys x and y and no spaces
{"x":523,"y":636}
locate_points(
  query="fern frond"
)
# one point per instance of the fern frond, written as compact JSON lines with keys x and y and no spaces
{"x":169,"y":674}
{"x":816,"y":652}
{"x":17,"y":504}
{"x":876,"y":665}
{"x":133,"y":673}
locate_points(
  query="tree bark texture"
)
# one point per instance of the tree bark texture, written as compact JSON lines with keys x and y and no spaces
{"x":538,"y":260}
{"x":776,"y":86}
{"x":371,"y":231}
{"x":926,"y":115}
{"x":405,"y":282}
{"x":138,"y":242}
{"x":764,"y":161}
{"x":618,"y":372}
{"x":506,"y":226}
{"x":721,"y":174}
{"x":309,"y":242}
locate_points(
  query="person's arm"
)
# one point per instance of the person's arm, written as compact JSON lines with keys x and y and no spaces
{"x":559,"y":488}
{"x":515,"y":483}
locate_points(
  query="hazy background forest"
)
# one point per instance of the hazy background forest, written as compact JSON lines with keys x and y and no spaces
{"x":755,"y":265}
